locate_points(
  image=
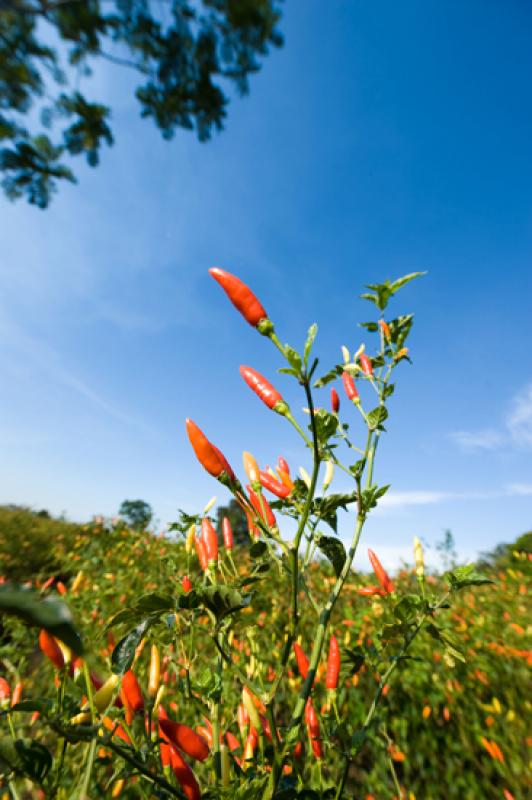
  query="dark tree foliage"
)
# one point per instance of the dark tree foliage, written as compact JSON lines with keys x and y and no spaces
{"x":137,"y":513}
{"x":238,"y":521}
{"x":186,"y":54}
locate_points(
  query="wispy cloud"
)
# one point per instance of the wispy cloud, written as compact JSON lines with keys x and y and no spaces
{"x":396,"y":501}
{"x":44,"y":359}
{"x":519,"y":420}
{"x":487,"y":439}
{"x":515,"y":429}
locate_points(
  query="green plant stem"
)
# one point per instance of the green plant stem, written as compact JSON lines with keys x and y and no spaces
{"x":84,"y":795}
{"x":216,"y":722}
{"x":142,"y":769}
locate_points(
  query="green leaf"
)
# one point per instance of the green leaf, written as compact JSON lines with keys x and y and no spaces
{"x":222,"y":600}
{"x":407,"y":607}
{"x":258,"y":549}
{"x":400,"y":282}
{"x":371,"y":496}
{"x":25,"y":757}
{"x":51,"y":614}
{"x":124,"y":652}
{"x":312,"y":331}
{"x":334,"y":550}
{"x":372,"y":327}
{"x":330,"y":376}
{"x":352,"y":660}
{"x":293,"y":357}
{"x":326,"y":507}
{"x":376,"y":417}
{"x":326,"y":425}
{"x":464,"y":576}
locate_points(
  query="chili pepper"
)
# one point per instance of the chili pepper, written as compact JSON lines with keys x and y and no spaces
{"x":329,"y":474}
{"x":302,"y":660}
{"x":77,"y":582}
{"x":263,"y":389}
{"x":335,"y":401}
{"x":402,"y":353}
{"x":232,"y":741}
{"x":365,"y":364}
{"x":208,"y":454}
{"x":249,"y":705}
{"x":210,"y":539}
{"x":313,"y":728}
{"x":261,"y":506}
{"x":333,"y":664}
{"x":419,"y":559}
{"x":251,"y":745}
{"x":385,"y":328}
{"x":274,"y":486}
{"x":350,"y":387}
{"x":371,"y":591}
{"x":118,"y":787}
{"x":61,"y":588}
{"x":186,"y":584}
{"x":201,"y":553}
{"x":184,"y":775}
{"x":241,"y":296}
{"x":201,"y":730}
{"x":165,"y":750}
{"x":380,"y":573}
{"x":254,"y":532}
{"x":155,"y":671}
{"x":209,"y":505}
{"x":5,"y":693}
{"x":242,"y":717}
{"x":305,"y":477}
{"x":185,"y":738}
{"x":111,"y":725}
{"x":17,"y":694}
{"x":282,"y":465}
{"x":251,"y":467}
{"x":131,"y":693}
{"x":189,"y":540}
{"x":51,"y":649}
{"x":227,"y":532}
{"x":105,"y":693}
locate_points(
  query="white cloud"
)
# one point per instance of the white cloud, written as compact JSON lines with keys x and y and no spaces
{"x":413,"y":498}
{"x":519,"y":420}
{"x":487,"y":439}
{"x":515,"y":430}
{"x":519,"y":489}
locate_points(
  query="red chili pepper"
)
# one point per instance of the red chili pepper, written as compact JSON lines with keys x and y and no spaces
{"x":240,"y":295}
{"x":335,"y":401}
{"x":349,"y":386}
{"x":302,"y":660}
{"x":251,"y":744}
{"x":260,"y":503}
{"x":210,"y":539}
{"x":51,"y":649}
{"x":333,"y":664}
{"x":206,"y":734}
{"x":371,"y":591}
{"x":254,"y":532}
{"x":264,"y":389}
{"x":184,"y":775}
{"x":17,"y":694}
{"x":227,"y":532}
{"x":186,"y":584}
{"x":61,"y":588}
{"x":380,"y":573}
{"x":313,"y":728}
{"x":207,"y":454}
{"x":232,"y":741}
{"x":185,"y":738}
{"x":165,"y":749}
{"x":365,"y":364}
{"x":275,"y":487}
{"x":5,"y":693}
{"x":131,"y":693}
{"x":282,"y":465}
{"x":201,"y":553}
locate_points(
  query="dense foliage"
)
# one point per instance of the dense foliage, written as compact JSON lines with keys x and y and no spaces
{"x":434,"y":718}
{"x":185,"y":56}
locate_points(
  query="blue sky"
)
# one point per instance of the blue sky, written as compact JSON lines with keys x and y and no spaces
{"x":383,"y":138}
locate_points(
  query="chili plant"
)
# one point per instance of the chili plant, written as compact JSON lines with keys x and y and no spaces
{"x":213,"y":709}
